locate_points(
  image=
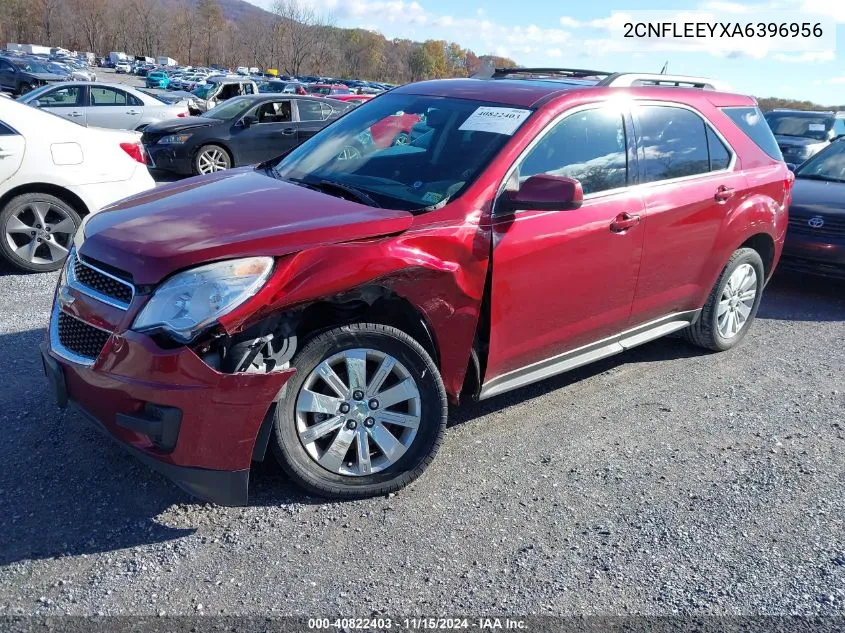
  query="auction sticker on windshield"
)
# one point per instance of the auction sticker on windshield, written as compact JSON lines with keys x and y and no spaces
{"x":496,"y":120}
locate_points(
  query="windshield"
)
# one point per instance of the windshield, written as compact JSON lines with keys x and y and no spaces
{"x":227,"y":110}
{"x":826,"y":165}
{"x":802,"y":125}
{"x":203,"y":90}
{"x":372,"y":151}
{"x":30,"y":66}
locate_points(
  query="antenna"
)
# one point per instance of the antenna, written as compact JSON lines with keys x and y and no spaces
{"x":665,"y":68}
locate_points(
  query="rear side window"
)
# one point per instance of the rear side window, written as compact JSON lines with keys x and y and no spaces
{"x":673,"y":141}
{"x":311,"y":111}
{"x":720,"y":157}
{"x":751,"y":121}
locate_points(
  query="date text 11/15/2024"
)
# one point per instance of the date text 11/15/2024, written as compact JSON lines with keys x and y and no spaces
{"x":416,"y":624}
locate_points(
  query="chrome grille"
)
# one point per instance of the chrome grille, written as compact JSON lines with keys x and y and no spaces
{"x":98,"y":283}
{"x":79,"y":337}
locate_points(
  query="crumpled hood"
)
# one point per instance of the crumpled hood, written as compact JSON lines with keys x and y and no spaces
{"x":180,"y":124}
{"x":236,"y":213}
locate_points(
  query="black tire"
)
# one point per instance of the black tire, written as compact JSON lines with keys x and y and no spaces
{"x":705,"y":331}
{"x":302,"y":467}
{"x":18,"y":206}
{"x":211,"y":147}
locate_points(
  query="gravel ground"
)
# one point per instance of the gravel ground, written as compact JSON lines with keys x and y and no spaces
{"x":662,"y":481}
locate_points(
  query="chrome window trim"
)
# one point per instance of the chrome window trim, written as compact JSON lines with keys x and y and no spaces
{"x":74,"y":283}
{"x":628,"y":107}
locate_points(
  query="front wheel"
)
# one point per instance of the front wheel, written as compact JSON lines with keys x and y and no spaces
{"x":732,"y":304}
{"x":211,"y":158}
{"x":363,"y":416}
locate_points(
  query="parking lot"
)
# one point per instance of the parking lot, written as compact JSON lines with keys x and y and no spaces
{"x":664,"y":480}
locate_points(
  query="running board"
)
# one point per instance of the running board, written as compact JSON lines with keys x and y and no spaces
{"x":587,"y":354}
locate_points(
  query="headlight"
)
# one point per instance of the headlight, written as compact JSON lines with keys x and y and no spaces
{"x":189,"y":302}
{"x":174,"y":139}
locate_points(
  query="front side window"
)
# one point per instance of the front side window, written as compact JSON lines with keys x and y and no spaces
{"x":673,"y":142}
{"x":68,"y":97}
{"x":365,"y":155}
{"x":589,"y":146}
{"x":107,"y":97}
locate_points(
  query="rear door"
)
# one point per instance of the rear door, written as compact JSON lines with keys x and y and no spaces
{"x":113,"y":108}
{"x":312,"y":116}
{"x":689,"y":187}
{"x":68,"y":102}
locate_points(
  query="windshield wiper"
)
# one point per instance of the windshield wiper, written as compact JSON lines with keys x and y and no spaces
{"x":323,"y":185}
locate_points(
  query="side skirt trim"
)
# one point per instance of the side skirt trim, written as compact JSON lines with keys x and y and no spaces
{"x":587,"y":354}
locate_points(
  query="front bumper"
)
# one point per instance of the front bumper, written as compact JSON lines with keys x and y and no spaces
{"x":814,"y":255}
{"x":174,"y":158}
{"x":197,"y":426}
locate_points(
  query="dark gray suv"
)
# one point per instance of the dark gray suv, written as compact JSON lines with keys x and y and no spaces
{"x":801,"y":134}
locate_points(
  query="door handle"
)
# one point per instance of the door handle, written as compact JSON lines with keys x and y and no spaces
{"x":288,"y":131}
{"x":723,"y":194}
{"x":623,"y":222}
{"x":4,"y":153}
{"x":132,"y":112}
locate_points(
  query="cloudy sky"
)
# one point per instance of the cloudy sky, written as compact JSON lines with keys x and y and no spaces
{"x":579,"y":34}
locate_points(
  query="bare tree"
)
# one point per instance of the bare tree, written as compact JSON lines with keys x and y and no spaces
{"x":300,"y":30}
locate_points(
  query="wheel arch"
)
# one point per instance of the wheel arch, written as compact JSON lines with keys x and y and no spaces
{"x":65,"y":195}
{"x":764,"y":244}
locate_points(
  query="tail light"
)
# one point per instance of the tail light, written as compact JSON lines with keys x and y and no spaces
{"x":788,"y":182}
{"x":182,"y":114}
{"x":135,"y":151}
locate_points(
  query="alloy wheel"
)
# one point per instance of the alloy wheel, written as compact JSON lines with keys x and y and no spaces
{"x":212,"y":160}
{"x":358,"y":412}
{"x":737,"y":301}
{"x":349,"y":152}
{"x":39,"y":233}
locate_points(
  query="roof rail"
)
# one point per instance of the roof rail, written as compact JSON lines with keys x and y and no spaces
{"x":573,"y":73}
{"x":628,"y":80}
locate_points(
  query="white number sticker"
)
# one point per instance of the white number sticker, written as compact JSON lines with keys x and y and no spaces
{"x":496,"y":120}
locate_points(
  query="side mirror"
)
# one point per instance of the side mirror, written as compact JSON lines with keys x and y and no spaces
{"x":35,"y":103}
{"x":545,"y":192}
{"x":791,"y":166}
{"x":249,"y":121}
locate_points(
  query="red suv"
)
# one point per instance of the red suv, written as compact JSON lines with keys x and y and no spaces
{"x":327,"y":305}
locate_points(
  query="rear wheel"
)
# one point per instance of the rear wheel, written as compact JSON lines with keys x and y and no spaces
{"x":401,"y":139}
{"x":37,"y":230}
{"x":732,"y":304}
{"x":210,"y":159}
{"x":364,"y":415}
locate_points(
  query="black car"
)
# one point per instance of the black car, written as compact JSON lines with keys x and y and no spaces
{"x":802,"y":134}
{"x":241,"y":131}
{"x":19,"y":76}
{"x":815,"y":240}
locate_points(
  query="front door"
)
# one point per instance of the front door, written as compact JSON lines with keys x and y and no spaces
{"x":273,"y":134}
{"x":564,"y":279}
{"x":68,"y":102}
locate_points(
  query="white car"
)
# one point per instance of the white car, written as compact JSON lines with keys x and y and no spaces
{"x":52,"y":174}
{"x":242,"y":70}
{"x":123,"y":67}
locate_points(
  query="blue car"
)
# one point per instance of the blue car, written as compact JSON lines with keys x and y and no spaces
{"x":158,"y":79}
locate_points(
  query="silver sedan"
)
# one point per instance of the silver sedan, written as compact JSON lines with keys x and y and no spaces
{"x":105,"y":105}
